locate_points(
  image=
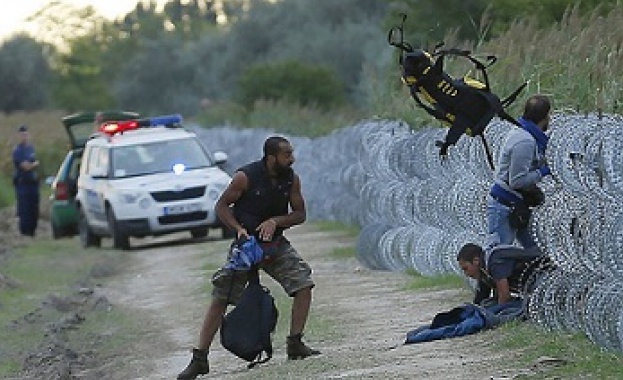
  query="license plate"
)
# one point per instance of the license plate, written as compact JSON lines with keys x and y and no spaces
{"x":182,"y":209}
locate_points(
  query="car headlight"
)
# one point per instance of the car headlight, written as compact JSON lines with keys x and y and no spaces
{"x":144,"y":203}
{"x":129,"y":197}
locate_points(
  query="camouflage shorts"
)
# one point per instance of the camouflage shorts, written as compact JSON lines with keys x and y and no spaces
{"x":283,"y":263}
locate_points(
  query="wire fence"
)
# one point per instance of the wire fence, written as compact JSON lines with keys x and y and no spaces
{"x":416,"y":210}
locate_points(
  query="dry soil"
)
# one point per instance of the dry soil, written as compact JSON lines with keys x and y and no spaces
{"x":357,"y":316}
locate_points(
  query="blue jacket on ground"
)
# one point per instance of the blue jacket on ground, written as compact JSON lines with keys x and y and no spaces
{"x":465,"y":320}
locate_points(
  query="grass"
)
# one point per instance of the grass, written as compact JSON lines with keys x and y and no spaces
{"x":281,"y":117}
{"x":46,"y":267}
{"x":577,"y":61}
{"x":47,"y":135}
{"x":331,"y":225}
{"x":343,"y":253}
{"x":444,"y":281}
{"x":582,"y":359}
{"x":7,"y":192}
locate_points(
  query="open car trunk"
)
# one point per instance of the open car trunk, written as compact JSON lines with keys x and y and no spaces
{"x":80,"y":126}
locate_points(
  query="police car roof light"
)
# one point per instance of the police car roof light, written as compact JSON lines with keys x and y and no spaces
{"x":165,"y":120}
{"x":114,"y":127}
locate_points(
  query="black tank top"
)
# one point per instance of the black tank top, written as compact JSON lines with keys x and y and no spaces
{"x":264,"y":197}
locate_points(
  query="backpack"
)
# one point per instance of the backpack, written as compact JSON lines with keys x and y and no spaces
{"x":465,"y":105}
{"x":247,"y":329}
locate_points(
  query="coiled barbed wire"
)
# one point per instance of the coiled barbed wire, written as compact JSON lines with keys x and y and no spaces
{"x":416,"y":210}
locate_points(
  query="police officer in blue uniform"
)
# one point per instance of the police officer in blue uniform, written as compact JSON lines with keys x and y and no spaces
{"x":26,"y":181}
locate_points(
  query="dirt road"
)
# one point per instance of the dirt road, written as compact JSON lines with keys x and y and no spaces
{"x":357,"y":314}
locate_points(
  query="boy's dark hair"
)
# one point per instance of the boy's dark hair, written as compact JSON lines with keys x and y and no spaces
{"x":536,"y":109}
{"x":469,"y":252}
{"x":271,"y":145}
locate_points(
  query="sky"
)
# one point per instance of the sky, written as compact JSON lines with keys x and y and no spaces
{"x":15,"y":12}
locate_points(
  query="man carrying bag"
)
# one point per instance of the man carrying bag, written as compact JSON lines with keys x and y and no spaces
{"x":263,"y":199}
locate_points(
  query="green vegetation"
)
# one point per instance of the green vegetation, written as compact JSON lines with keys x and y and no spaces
{"x":281,"y":116}
{"x":332,"y":225}
{"x":485,"y":19}
{"x":7,"y":192}
{"x":445,"y":281}
{"x":48,"y":136}
{"x":224,"y":75}
{"x":343,"y":253}
{"x":270,"y":74}
{"x":580,"y":74}
{"x":292,"y":81}
{"x":573,"y":355}
{"x":581,"y":359}
{"x":29,"y":269}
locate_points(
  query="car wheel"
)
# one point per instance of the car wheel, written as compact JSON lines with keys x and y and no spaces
{"x":199,"y":232}
{"x":120,"y":240}
{"x":228,"y":233}
{"x":87,"y":237}
{"x":57,"y":231}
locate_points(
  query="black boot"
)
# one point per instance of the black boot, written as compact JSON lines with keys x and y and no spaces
{"x":296,"y":349}
{"x":198,"y":366}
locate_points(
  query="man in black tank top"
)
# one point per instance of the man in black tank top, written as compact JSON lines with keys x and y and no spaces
{"x":263,"y":199}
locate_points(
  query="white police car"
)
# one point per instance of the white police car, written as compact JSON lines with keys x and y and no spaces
{"x":147,"y":177}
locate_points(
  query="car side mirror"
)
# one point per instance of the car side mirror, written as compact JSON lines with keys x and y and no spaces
{"x":49,"y":180}
{"x":220,"y":157}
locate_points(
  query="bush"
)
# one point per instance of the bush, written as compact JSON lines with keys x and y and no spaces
{"x":223,"y":114}
{"x":280,"y":116}
{"x":291,"y":81}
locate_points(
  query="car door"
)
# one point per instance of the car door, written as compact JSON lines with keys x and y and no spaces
{"x":92,"y":185}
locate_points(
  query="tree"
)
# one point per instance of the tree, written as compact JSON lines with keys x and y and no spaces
{"x":24,"y":74}
{"x":292,"y":81}
{"x":59,"y":22}
{"x":191,"y":20}
{"x":80,"y":81}
{"x":340,"y":35}
{"x":428,"y":22}
{"x":97,"y":52}
{"x":160,"y":80}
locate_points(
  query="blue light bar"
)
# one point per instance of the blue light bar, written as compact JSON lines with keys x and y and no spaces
{"x":161,"y":120}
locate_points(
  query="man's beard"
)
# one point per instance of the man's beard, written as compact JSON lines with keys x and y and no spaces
{"x":281,"y":170}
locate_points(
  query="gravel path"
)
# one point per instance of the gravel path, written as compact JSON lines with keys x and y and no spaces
{"x":357,"y":315}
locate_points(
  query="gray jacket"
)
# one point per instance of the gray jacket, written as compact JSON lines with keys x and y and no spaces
{"x":519,"y":162}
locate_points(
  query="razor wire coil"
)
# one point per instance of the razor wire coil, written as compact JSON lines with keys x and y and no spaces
{"x":416,"y":210}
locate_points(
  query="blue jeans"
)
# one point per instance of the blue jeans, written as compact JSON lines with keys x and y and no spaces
{"x":500,"y":230}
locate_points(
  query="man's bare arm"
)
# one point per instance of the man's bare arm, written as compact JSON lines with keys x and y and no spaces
{"x":298,"y":213}
{"x":232,"y":193}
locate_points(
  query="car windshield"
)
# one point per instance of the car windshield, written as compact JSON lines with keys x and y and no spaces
{"x":159,"y":157}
